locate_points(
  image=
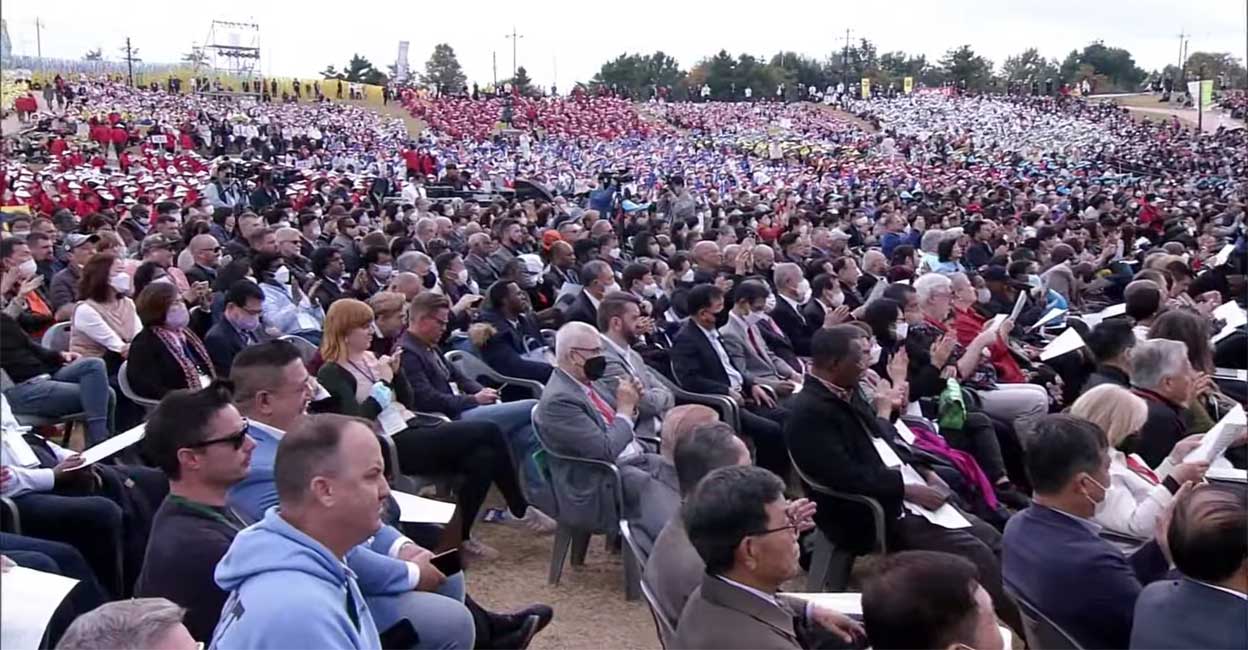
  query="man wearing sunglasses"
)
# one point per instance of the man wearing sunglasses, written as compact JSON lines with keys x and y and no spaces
{"x":200,"y":441}
{"x":206,"y":253}
{"x":740,"y":524}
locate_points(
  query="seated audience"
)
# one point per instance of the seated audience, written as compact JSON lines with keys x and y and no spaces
{"x":1208,"y":605}
{"x":287,"y":310}
{"x":575,"y":420}
{"x":106,"y":320}
{"x":59,"y":559}
{"x":1110,"y":343}
{"x":738,"y":521}
{"x":239,"y":327}
{"x":166,"y":355}
{"x":513,"y":335}
{"x":200,"y":441}
{"x":659,"y":500}
{"x":745,"y":344}
{"x":1137,"y":496}
{"x":1054,"y":557}
{"x":842,"y":442}
{"x":926,"y":599}
{"x":621,"y":324}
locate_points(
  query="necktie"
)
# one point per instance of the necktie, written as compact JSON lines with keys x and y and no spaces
{"x":602,"y":406}
{"x":1142,"y":469}
{"x":758,"y":349}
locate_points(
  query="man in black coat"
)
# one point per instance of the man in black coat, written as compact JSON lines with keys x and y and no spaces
{"x":847,"y":445}
{"x":240,"y":327}
{"x":787,"y":314}
{"x":702,"y":365}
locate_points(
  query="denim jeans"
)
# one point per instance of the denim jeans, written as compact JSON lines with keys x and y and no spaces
{"x":515,"y":419}
{"x":78,"y":386}
{"x":440,"y":618}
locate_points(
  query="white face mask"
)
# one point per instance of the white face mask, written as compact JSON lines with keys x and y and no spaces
{"x":610,"y":287}
{"x":837,"y":299}
{"x":903,"y":328}
{"x":873,"y":357}
{"x":803,"y":290}
{"x":650,"y":290}
{"x":462,"y":276}
{"x":687,"y":277}
{"x":28,"y":268}
{"x":771,"y":302}
{"x":754,"y":318}
{"x":983,"y":295}
{"x":120,"y":282}
{"x":614,"y":253}
{"x":282,"y":275}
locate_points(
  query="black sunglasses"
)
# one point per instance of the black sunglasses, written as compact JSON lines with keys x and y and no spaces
{"x":235,"y":440}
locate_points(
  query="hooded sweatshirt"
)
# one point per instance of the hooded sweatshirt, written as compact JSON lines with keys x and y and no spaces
{"x":288,"y":590}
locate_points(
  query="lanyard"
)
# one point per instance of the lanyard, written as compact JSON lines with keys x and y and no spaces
{"x":204,"y":510}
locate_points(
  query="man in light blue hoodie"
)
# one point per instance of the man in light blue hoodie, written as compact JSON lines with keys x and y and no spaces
{"x":271,"y":389}
{"x":288,"y":576}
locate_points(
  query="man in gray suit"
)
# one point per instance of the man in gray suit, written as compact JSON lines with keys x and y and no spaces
{"x":738,"y":520}
{"x":574,"y":419}
{"x":621,"y":323}
{"x":1208,"y":606}
{"x":745,"y":344}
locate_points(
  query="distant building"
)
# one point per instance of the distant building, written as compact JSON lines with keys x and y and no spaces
{"x":6,"y":45}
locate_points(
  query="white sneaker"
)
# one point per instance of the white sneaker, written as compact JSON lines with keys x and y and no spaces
{"x":533,"y":520}
{"x":476,"y":550}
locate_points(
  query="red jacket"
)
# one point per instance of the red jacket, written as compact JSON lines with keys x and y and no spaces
{"x":967,"y":324}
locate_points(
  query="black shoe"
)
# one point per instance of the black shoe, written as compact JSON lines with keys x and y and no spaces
{"x":1011,"y":498}
{"x":516,"y":631}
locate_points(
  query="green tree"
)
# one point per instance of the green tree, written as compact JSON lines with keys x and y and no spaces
{"x":1215,"y":64}
{"x":894,"y":67}
{"x":802,"y":70}
{"x":1114,"y":65}
{"x":521,"y":82}
{"x":963,"y":65}
{"x":94,"y":55}
{"x":637,"y":74}
{"x":330,"y":72}
{"x":442,"y":70}
{"x":1029,"y":66}
{"x":361,"y":70}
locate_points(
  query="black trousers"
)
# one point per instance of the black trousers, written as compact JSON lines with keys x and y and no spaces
{"x":63,"y":560}
{"x":765,"y":428}
{"x":978,"y":438}
{"x":475,"y":451}
{"x":981,"y":544}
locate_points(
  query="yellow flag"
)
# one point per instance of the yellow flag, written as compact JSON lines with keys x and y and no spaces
{"x":907,"y":84}
{"x":866,"y":87}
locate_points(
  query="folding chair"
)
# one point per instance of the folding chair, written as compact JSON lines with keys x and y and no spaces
{"x":307,"y":351}
{"x":830,"y":566}
{"x":10,"y":517}
{"x":56,"y":337}
{"x":124,"y":383}
{"x":567,"y":536}
{"x":665,"y":628}
{"x":634,"y":562}
{"x":728,"y":410}
{"x":475,"y":369}
{"x":1041,"y":632}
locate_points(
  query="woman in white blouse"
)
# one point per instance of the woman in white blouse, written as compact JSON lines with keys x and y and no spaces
{"x":105,"y":320}
{"x":1137,"y":494}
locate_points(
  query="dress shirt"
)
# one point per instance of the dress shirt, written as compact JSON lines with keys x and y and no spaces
{"x":632,"y":448}
{"x":734,"y":377}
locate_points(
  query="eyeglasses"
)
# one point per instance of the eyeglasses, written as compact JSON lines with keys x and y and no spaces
{"x":592,"y":351}
{"x":235,"y":440}
{"x":791,"y":526}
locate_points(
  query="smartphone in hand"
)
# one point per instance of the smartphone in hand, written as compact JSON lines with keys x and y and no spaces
{"x":448,"y":562}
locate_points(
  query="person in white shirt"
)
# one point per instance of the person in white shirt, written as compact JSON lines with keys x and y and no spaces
{"x":1138,"y":495}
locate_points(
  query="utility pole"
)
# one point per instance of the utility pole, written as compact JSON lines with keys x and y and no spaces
{"x":845,"y":59}
{"x":515,"y":38}
{"x":130,"y":59}
{"x":39,"y":42}
{"x":1200,"y":105}
{"x":494,"y":63}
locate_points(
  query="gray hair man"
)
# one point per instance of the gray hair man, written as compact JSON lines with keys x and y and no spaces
{"x":135,"y":624}
{"x":1163,"y":375}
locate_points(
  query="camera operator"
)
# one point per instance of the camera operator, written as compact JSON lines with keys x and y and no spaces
{"x":224,"y":191}
{"x":265,"y":195}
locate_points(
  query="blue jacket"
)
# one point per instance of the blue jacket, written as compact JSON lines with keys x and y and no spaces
{"x":1081,"y":582}
{"x":379,"y":574}
{"x":288,"y":591}
{"x":505,"y":351}
{"x":891,"y":240}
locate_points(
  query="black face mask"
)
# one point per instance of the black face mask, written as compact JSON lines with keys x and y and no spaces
{"x":595,"y":367}
{"x":1129,"y":444}
{"x":429,"y":280}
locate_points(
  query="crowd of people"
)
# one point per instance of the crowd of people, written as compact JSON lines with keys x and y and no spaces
{"x":754,"y":318}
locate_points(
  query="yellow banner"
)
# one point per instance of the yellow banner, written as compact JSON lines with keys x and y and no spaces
{"x":866,"y":87}
{"x":907,"y":85}
{"x":1206,"y":92}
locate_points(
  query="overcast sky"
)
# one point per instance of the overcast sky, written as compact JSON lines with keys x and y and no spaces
{"x":567,"y":41}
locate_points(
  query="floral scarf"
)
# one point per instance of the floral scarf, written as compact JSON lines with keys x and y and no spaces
{"x":176,"y":343}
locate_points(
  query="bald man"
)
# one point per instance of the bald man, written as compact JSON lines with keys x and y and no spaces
{"x":562,"y":267}
{"x":407,"y":283}
{"x":206,"y":255}
{"x":706,"y":256}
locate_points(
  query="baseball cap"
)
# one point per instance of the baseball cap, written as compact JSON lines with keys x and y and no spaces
{"x":154,"y":242}
{"x":75,"y":239}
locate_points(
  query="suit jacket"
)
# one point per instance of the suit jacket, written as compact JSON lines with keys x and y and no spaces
{"x":570,"y":425}
{"x":657,"y":504}
{"x":832,"y":441}
{"x":505,"y":350}
{"x":152,"y":369}
{"x":778,"y":342}
{"x":431,"y":378}
{"x":698,"y":367}
{"x":814,"y":314}
{"x":224,"y":342}
{"x":199,"y":273}
{"x":582,"y":310}
{"x":722,"y":615}
{"x":793,"y":324}
{"x":480,"y":270}
{"x":763,"y":366}
{"x":1082,"y":583}
{"x":674,"y":569}
{"x":499,"y":259}
{"x":656,"y":399}
{"x":1163,"y":428}
{"x":1184,"y":613}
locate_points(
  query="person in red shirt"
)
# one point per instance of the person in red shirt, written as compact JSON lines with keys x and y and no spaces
{"x":969,"y":323}
{"x":119,"y":137}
